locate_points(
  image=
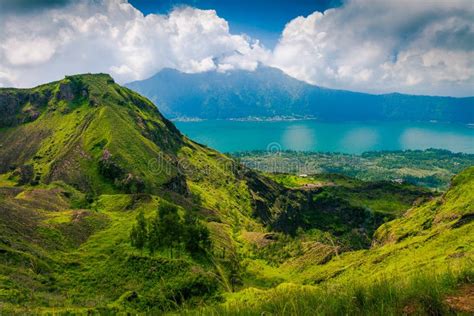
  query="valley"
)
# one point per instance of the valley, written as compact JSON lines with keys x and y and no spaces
{"x":432,"y":168}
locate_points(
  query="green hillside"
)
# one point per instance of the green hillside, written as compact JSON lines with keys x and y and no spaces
{"x":417,"y":264}
{"x":86,"y":166}
{"x":75,"y":174}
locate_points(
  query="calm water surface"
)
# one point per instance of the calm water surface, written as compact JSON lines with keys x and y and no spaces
{"x":354,"y":138}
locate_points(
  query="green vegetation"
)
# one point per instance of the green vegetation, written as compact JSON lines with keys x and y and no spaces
{"x":423,"y":294}
{"x":379,"y":196}
{"x":432,"y":168}
{"x":168,"y":230}
{"x":417,"y":265}
{"x":106,"y":208}
{"x":139,"y":234}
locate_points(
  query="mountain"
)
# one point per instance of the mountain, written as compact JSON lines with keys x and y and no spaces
{"x":79,"y":159}
{"x":63,"y":128}
{"x":105,"y":207}
{"x":268,"y":92}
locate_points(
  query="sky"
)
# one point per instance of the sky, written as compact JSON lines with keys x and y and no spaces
{"x":375,"y":46}
{"x":264,"y":20}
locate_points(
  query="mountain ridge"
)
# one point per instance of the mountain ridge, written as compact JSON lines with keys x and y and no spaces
{"x":268,"y":92}
{"x":277,"y":71}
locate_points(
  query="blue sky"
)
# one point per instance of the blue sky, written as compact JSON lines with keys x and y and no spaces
{"x":264,"y":20}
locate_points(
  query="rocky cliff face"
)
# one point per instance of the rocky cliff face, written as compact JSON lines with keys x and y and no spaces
{"x":21,"y":106}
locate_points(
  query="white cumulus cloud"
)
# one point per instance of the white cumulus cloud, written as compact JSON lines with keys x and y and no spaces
{"x":423,"y":47}
{"x":112,"y":36}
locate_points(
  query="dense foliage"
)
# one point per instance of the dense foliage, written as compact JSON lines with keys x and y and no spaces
{"x":432,"y":168}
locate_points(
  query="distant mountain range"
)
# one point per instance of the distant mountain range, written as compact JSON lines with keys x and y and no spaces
{"x":268,"y":92}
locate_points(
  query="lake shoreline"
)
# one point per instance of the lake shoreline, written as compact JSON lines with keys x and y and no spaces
{"x":308,"y":118}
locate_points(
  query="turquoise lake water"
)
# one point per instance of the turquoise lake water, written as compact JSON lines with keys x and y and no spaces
{"x":311,"y":135}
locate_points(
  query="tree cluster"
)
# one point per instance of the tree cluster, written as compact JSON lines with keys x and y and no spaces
{"x":168,"y":230}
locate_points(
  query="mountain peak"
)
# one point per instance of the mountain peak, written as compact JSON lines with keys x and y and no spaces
{"x":84,"y":85}
{"x":70,"y":123}
{"x":26,"y":105}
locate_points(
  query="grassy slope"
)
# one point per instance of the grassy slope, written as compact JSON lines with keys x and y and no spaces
{"x":414,"y":262}
{"x":73,"y":259}
{"x":101,"y":267}
{"x":69,"y":136}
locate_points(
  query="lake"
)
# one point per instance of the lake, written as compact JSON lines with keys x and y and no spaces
{"x":312,"y":135}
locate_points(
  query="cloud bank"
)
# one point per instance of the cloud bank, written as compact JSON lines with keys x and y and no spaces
{"x":420,"y":47}
{"x":112,"y":36}
{"x":423,"y":47}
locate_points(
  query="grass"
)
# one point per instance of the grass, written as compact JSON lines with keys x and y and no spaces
{"x":412,"y":273}
{"x":90,"y":264}
{"x":80,"y":225}
{"x":379,"y":196}
{"x":417,"y":294}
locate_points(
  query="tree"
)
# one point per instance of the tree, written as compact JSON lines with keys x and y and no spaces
{"x":155,"y":240}
{"x":166,"y":228}
{"x":196,"y":235}
{"x":139,"y":233}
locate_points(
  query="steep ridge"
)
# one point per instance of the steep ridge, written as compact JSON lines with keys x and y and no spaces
{"x":268,"y":92}
{"x":68,"y":126}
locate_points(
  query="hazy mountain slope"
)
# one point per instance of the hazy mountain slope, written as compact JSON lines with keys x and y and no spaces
{"x":268,"y":92}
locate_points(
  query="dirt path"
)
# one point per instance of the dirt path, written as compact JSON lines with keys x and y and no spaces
{"x":463,"y":300}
